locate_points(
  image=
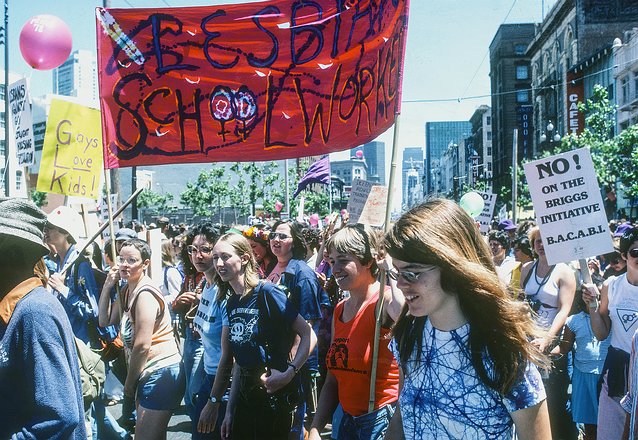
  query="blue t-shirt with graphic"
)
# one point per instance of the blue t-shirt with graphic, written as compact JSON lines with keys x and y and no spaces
{"x":261,"y":328}
{"x":210,"y":318}
{"x":443,"y":397}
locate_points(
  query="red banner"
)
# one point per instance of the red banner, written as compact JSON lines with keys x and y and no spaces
{"x":248,"y":82}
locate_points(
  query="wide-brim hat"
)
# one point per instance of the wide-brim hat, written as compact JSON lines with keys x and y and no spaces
{"x":506,"y":225}
{"x":67,"y":219}
{"x":21,"y":219}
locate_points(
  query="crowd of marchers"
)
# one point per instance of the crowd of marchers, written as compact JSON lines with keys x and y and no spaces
{"x":278,"y":329}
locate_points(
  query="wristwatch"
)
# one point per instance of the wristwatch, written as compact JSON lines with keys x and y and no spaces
{"x":213,"y":399}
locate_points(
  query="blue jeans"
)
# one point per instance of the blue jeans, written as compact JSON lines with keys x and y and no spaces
{"x":193,"y":367}
{"x":103,"y":424}
{"x":308,"y":386}
{"x":370,"y":426}
{"x":201,"y":398}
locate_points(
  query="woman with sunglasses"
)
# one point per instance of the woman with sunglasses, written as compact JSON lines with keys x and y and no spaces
{"x":550,"y":290}
{"x":467,"y":367}
{"x":155,"y":377}
{"x":613,"y":311}
{"x":211,"y":323}
{"x":263,"y":327}
{"x":305,"y":293}
{"x":185,"y":307}
{"x":352,"y":253}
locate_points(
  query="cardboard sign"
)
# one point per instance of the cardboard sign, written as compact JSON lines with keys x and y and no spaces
{"x":358,"y":197}
{"x":72,"y":153}
{"x":485,"y":217}
{"x":245,"y":82}
{"x":367,"y":203}
{"x":568,"y":206}
{"x":374,"y":210}
{"x":22,"y":122}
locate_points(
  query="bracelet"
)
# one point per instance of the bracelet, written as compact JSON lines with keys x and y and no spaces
{"x":295,"y":369}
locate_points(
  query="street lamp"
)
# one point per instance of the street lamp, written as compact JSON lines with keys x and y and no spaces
{"x":548,"y":134}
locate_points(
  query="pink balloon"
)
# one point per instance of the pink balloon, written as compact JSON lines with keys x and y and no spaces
{"x":359,"y":154}
{"x":45,"y":42}
{"x":314,"y":219}
{"x":278,"y":206}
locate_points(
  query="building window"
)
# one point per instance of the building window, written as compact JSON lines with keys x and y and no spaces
{"x":522,"y":72}
{"x":2,"y":150}
{"x":2,"y":121}
{"x":636,"y":84}
{"x":520,"y":49}
{"x":522,"y":96}
{"x":489,"y":151}
{"x":488,"y":120}
{"x":2,"y":89}
{"x":18,"y":180}
{"x":624,"y":89}
{"x":489,"y":167}
{"x":489,"y":135}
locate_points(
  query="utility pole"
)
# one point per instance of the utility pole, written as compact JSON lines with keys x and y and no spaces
{"x":116,"y":186}
{"x":6,"y":98}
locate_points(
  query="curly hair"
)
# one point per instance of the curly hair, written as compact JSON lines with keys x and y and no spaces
{"x":440,"y":233}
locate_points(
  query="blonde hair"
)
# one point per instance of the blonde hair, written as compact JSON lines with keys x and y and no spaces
{"x":168,"y":253}
{"x":440,"y":233}
{"x":241,"y":246}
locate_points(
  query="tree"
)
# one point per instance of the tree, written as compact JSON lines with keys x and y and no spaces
{"x":615,"y":157}
{"x":38,"y":197}
{"x":158,"y":203}
{"x":211,"y":190}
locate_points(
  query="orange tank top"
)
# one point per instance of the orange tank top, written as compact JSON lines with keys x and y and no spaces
{"x":350,"y":361}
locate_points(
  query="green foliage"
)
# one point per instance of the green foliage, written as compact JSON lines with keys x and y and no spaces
{"x":38,"y":197}
{"x":615,"y":158}
{"x":158,"y":203}
{"x":209,"y":194}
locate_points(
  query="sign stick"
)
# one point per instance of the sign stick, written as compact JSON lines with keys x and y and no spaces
{"x":386,"y":228}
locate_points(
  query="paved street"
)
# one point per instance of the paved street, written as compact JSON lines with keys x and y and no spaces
{"x":180,"y":424}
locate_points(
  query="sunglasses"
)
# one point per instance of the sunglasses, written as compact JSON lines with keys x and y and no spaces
{"x":279,"y":235}
{"x":204,"y":250}
{"x":633,"y":253}
{"x":407,"y":276}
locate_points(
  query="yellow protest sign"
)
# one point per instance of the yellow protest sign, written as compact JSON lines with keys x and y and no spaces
{"x":72,"y":152}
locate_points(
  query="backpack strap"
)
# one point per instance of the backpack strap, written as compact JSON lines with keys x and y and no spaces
{"x":529,"y":274}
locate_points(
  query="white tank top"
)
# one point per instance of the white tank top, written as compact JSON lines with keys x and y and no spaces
{"x":544,"y":293}
{"x":623,"y":312}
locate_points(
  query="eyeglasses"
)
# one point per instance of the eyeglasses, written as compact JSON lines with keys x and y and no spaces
{"x":204,"y":250}
{"x":129,"y":261}
{"x":279,"y":235}
{"x":407,"y":276}
{"x":633,"y":253}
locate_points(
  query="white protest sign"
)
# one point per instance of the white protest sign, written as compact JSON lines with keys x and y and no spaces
{"x":568,"y":206}
{"x":485,"y":217}
{"x":373,"y":213}
{"x":22,"y":122}
{"x":502,"y":213}
{"x":358,"y":197}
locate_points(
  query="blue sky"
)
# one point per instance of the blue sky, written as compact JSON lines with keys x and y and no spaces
{"x":446,"y":54}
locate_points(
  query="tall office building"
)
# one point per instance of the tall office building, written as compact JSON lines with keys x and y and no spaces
{"x":438,"y":137}
{"x":411,"y":175}
{"x":77,"y":76}
{"x":374,"y":155}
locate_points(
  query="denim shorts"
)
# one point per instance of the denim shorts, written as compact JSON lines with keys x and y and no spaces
{"x":370,"y":426}
{"x":163,"y":389}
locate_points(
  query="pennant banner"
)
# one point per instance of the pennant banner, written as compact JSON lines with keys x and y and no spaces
{"x":247,"y":82}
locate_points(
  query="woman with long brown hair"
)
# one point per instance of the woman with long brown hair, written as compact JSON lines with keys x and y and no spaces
{"x":462,"y":343}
